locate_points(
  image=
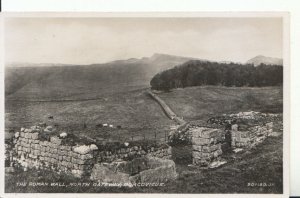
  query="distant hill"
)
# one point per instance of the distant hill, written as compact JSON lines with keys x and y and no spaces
{"x":65,"y":81}
{"x":257,"y":60}
{"x":24,"y":64}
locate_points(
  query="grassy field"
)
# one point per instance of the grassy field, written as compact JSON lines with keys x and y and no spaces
{"x":195,"y":103}
{"x":138,"y":115}
{"x":261,"y":165}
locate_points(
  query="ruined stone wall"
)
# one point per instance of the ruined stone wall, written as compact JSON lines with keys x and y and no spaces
{"x":39,"y":148}
{"x":128,"y":153}
{"x":247,"y":129}
{"x":250,"y":136}
{"x":206,"y":143}
{"x":31,"y":152}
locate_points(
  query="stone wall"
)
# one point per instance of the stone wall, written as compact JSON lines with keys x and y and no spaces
{"x":247,"y":129}
{"x":228,"y":132}
{"x":206,"y":144}
{"x":31,"y":152}
{"x":131,"y":152}
{"x":249,"y":136}
{"x":41,"y":147}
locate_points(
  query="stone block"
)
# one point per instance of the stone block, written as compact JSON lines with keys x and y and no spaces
{"x":104,"y":174}
{"x":244,"y":140}
{"x":86,"y":156}
{"x":63,"y":152}
{"x":202,"y":155}
{"x":56,"y":156}
{"x":80,"y":161}
{"x":67,"y":158}
{"x":75,"y":166}
{"x":51,"y":145}
{"x":217,"y":153}
{"x":37,"y":152}
{"x":210,"y":148}
{"x":35,"y":136}
{"x":27,"y":135}
{"x":53,"y":160}
{"x":69,"y":165}
{"x":74,"y":160}
{"x":54,"y":150}
{"x":77,"y":173}
{"x":158,"y":175}
{"x":27,"y":130}
{"x":200,"y":141}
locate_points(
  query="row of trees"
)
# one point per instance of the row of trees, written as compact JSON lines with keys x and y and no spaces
{"x":197,"y":73}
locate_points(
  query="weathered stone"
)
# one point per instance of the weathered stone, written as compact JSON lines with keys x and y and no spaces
{"x":234,"y":127}
{"x":135,"y":179}
{"x":82,"y":149}
{"x":210,"y":148}
{"x":200,"y":141}
{"x":35,"y":136}
{"x":55,"y":140}
{"x":124,"y":167}
{"x":74,"y":160}
{"x":17,"y":134}
{"x":69,"y":165}
{"x":22,"y":134}
{"x":160,"y":174}
{"x":27,"y":135}
{"x":197,"y":148}
{"x":217,"y":153}
{"x":200,"y":155}
{"x":138,"y":165}
{"x":67,"y":158}
{"x":27,"y":130}
{"x":37,"y":152}
{"x":86,"y":156}
{"x":104,"y":174}
{"x":77,"y":173}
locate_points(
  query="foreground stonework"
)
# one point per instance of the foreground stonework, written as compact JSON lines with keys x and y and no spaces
{"x":206,"y":143}
{"x":40,"y":147}
{"x":250,"y":136}
{"x":139,"y":170}
{"x":31,"y":152}
{"x":220,"y":134}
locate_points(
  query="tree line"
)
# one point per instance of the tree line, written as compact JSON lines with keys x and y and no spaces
{"x":197,"y":73}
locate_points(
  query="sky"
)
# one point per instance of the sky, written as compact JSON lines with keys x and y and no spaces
{"x":100,"y":40}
